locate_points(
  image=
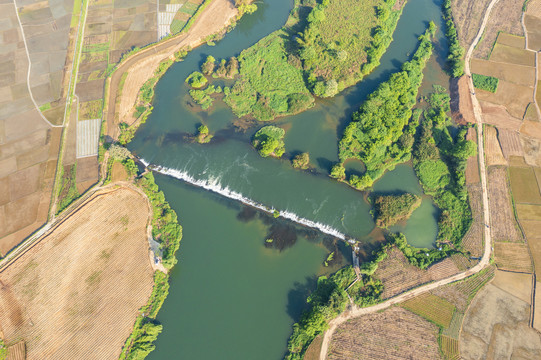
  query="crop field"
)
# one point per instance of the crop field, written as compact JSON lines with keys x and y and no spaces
{"x":512,"y":257}
{"x":503,"y":224}
{"x":516,"y":74}
{"x":512,"y":55}
{"x":387,"y":335}
{"x":528,"y":212}
{"x":496,"y":325}
{"x":524,"y":185}
{"x":494,"y":155}
{"x":449,"y":348}
{"x":472,"y":165}
{"x":516,"y":284}
{"x":16,"y":351}
{"x":462,"y":262}
{"x":81,"y":281}
{"x":431,"y":307}
{"x":515,"y":98}
{"x":498,"y":116}
{"x":504,"y":17}
{"x":398,"y":275}
{"x":510,"y":143}
{"x":462,"y":292}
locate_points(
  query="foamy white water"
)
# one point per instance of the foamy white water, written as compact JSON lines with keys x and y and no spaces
{"x":213,"y":184}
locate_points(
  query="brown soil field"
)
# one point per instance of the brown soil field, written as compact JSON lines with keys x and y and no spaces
{"x":461,"y":293}
{"x":118,"y":172}
{"x":528,"y":212}
{"x":510,"y":143}
{"x":512,"y":257}
{"x":431,"y":307}
{"x":392,"y":334}
{"x":531,"y":128}
{"x":524,"y":185}
{"x":505,"y":16}
{"x":473,"y":240}
{"x":467,"y":16}
{"x":531,"y":113}
{"x":496,"y":326}
{"x":80,"y":281}
{"x":498,"y":116}
{"x":515,"y":98}
{"x":534,"y":8}
{"x":516,"y":284}
{"x":313,"y":351}
{"x":465,"y":105}
{"x":502,"y":221}
{"x":515,"y":41}
{"x":533,"y":27}
{"x":493,"y":155}
{"x":532,"y":152}
{"x":516,"y":74}
{"x":141,"y":66}
{"x":472,"y":165}
{"x":17,"y":351}
{"x":398,"y":275}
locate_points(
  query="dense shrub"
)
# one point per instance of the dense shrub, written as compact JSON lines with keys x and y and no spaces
{"x":455,"y":58}
{"x":483,"y":82}
{"x":269,"y":141}
{"x":196,"y":80}
{"x":390,"y":209}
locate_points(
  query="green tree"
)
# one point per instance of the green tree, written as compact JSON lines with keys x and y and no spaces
{"x":301,"y":161}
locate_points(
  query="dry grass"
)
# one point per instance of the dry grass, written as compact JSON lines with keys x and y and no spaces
{"x":528,"y":212}
{"x":502,"y":220}
{"x":516,"y":284}
{"x":498,"y":116}
{"x":467,"y":15}
{"x":85,"y":279}
{"x":533,"y":27}
{"x":505,"y":16}
{"x":493,"y":154}
{"x":510,"y":143}
{"x":531,"y":128}
{"x":532,"y":152}
{"x":512,"y":257}
{"x":389,"y":335}
{"x":398,"y":275}
{"x":515,"y":98}
{"x":511,"y":55}
{"x":431,"y":307}
{"x":524,"y":185}
{"x":312,"y":353}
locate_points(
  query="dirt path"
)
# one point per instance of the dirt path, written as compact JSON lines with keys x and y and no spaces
{"x":355,"y":311}
{"x":141,"y":66}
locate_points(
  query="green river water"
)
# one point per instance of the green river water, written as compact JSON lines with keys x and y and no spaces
{"x":234,"y":296}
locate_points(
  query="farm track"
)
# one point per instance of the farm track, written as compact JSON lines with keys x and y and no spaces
{"x":356,"y":311}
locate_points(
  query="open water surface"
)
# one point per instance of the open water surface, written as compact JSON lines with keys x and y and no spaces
{"x":231,"y":296}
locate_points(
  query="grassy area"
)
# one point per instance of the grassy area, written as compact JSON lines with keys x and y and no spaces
{"x":390,"y":209}
{"x":483,"y":82}
{"x":45,"y":107}
{"x":203,"y":97}
{"x":433,"y":308}
{"x":91,"y":109}
{"x":68,"y":188}
{"x":344,"y":41}
{"x":381,"y":132}
{"x":92,"y":48}
{"x":269,"y":85}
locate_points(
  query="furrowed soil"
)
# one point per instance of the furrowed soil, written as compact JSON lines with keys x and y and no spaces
{"x":76,"y":292}
{"x":494,"y":155}
{"x":386,"y":335}
{"x":503,"y":224}
{"x":512,"y":257}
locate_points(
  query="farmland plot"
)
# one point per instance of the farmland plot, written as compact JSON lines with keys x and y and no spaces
{"x":431,"y":307}
{"x":494,"y":155}
{"x":512,"y":257}
{"x":81,"y":281}
{"x":524,"y":185}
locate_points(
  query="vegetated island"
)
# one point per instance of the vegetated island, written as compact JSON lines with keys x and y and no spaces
{"x":269,"y":141}
{"x":325,"y":47}
{"x":390,"y":209}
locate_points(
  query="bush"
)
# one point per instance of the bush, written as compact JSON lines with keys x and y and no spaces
{"x":208,"y":66}
{"x":390,"y":209}
{"x":269,"y":141}
{"x":455,"y":58}
{"x":488,"y":83}
{"x":196,"y":80}
{"x":301,"y":161}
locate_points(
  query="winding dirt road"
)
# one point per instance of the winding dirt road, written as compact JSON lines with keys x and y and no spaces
{"x":355,"y":311}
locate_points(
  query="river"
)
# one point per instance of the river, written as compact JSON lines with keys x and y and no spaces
{"x":233,"y":294}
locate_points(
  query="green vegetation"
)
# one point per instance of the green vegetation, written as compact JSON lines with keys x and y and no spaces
{"x":382,"y":131}
{"x":483,"y":82}
{"x":344,"y":41}
{"x":208,"y":66}
{"x":45,"y":107}
{"x":176,"y":26}
{"x":196,"y":80}
{"x":3,"y":350}
{"x":390,"y":209}
{"x":203,"y":135}
{"x":165,"y":227}
{"x":328,"y":301}
{"x":269,"y":141}
{"x":140,"y":342}
{"x":245,"y":7}
{"x":301,"y":161}
{"x":456,"y":52}
{"x":96,"y":47}
{"x":440,"y":162}
{"x":269,"y":86}
{"x":68,"y":187}
{"x":203,"y":97}
{"x":338,"y":171}
{"x":227,"y":69}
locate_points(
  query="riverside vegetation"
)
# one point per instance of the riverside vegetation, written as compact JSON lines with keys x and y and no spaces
{"x":269,"y":140}
{"x":324,"y":48}
{"x":381,"y":133}
{"x":455,"y":58}
{"x":390,"y":209}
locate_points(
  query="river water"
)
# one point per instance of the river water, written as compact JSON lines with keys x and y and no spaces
{"x":234,"y":295}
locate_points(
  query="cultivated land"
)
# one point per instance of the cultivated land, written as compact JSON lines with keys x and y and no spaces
{"x":86,"y":278}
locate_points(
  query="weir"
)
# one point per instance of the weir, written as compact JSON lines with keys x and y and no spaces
{"x":213,"y":185}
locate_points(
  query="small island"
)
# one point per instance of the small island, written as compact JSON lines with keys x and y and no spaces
{"x":390,"y":209}
{"x":301,"y":161}
{"x":268,"y":141}
{"x":203,"y":135}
